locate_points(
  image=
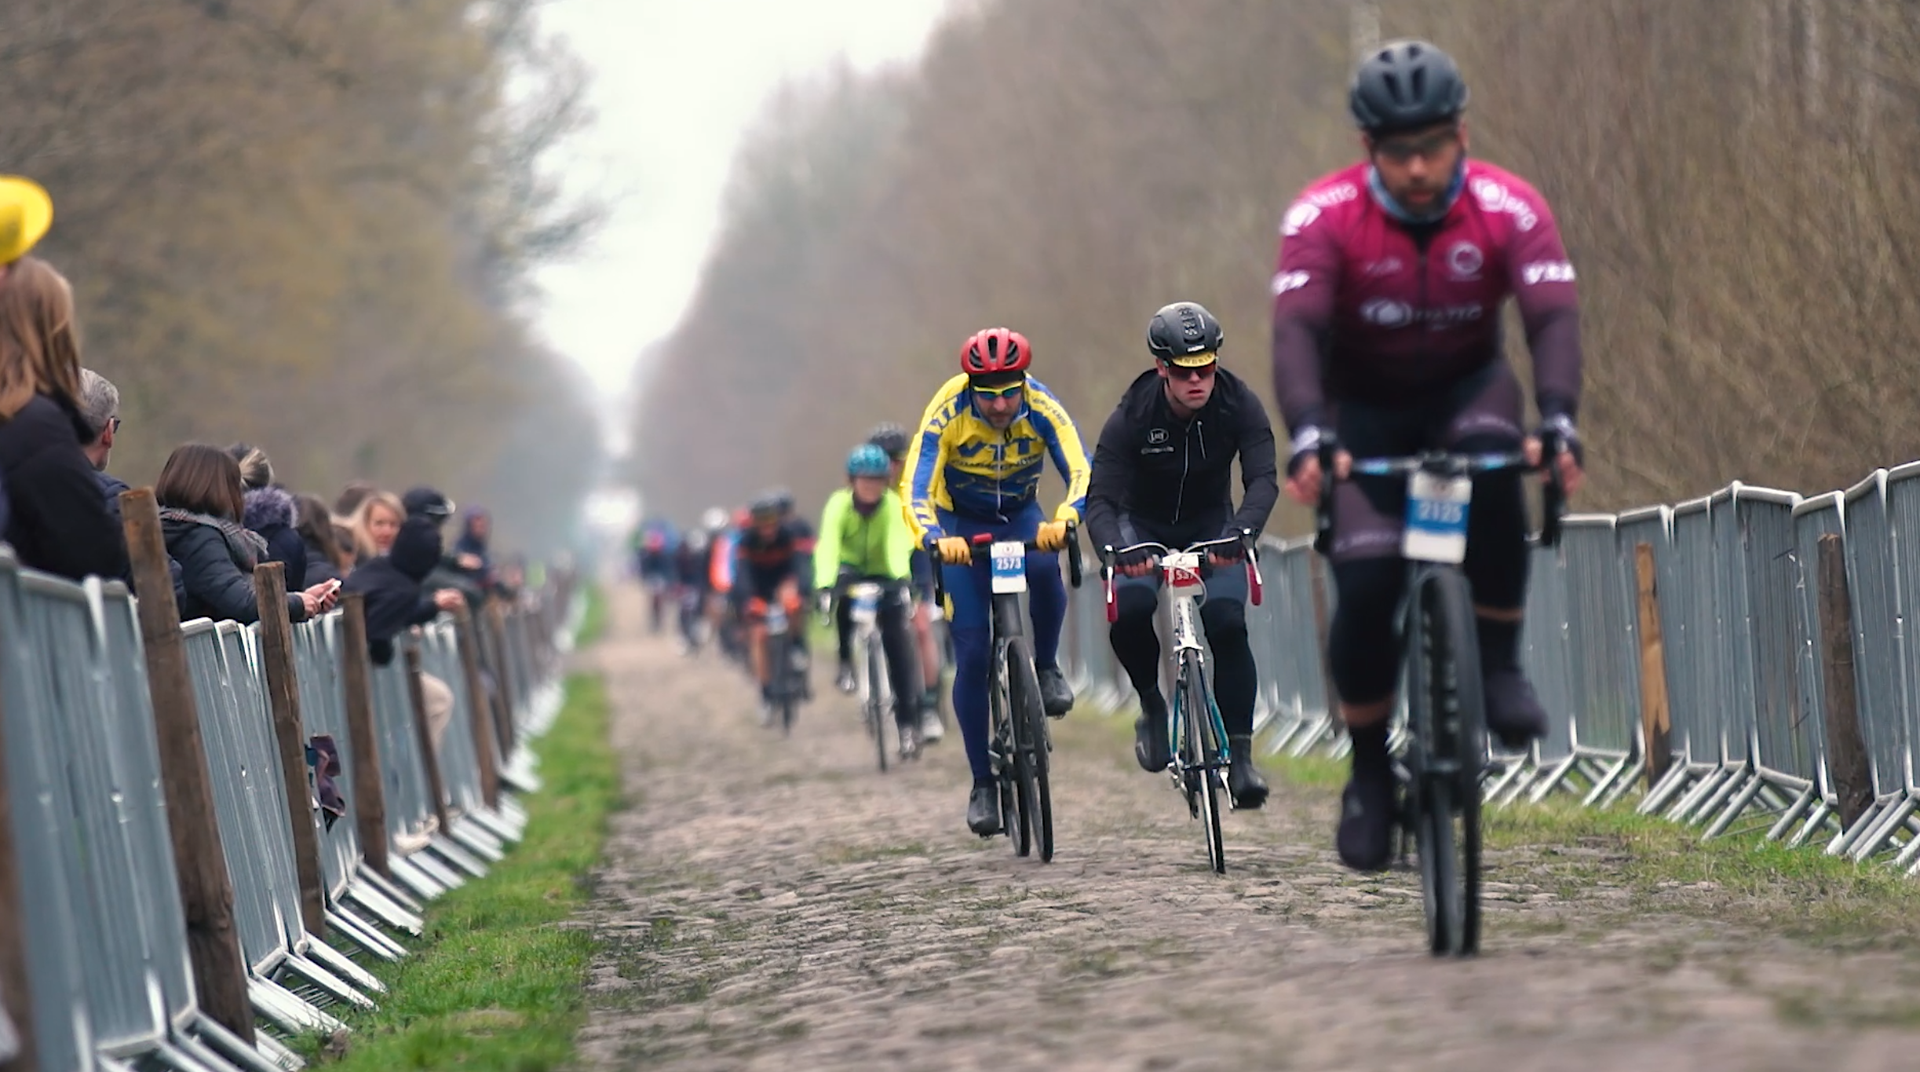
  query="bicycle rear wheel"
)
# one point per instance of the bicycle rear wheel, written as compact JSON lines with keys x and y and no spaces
{"x":1016,"y":804}
{"x":877,"y":715}
{"x":1198,"y":712}
{"x":1030,"y":727}
{"x":1447,"y":715}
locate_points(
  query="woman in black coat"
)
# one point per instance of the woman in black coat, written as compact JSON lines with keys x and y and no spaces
{"x":270,"y":512}
{"x":58,"y":520}
{"x":200,"y":506}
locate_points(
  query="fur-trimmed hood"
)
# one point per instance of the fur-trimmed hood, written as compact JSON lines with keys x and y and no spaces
{"x":268,"y":507}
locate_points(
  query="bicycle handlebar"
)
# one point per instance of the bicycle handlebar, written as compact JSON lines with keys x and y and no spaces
{"x":1245,"y":540}
{"x":1553,"y":494}
{"x":985,"y":538}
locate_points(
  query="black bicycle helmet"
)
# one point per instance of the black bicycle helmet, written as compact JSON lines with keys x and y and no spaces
{"x":1182,"y":330}
{"x":1404,"y":85}
{"x":889,"y":437}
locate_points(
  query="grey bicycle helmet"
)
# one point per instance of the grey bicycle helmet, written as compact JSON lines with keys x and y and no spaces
{"x":1404,"y":85}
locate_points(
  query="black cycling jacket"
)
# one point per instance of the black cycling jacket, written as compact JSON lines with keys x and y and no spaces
{"x":1156,"y":477}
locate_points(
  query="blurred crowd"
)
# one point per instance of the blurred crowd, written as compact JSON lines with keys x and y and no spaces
{"x":223,"y":510}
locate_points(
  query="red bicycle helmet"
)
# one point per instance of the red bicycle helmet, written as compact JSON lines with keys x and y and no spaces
{"x":995,"y":350}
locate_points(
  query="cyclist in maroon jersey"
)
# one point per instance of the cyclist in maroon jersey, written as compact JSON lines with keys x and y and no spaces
{"x":1387,"y":341}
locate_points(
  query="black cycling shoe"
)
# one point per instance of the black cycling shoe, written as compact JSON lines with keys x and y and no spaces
{"x":983,"y":810}
{"x":1055,"y":696}
{"x":1365,"y":839}
{"x":1514,"y":715}
{"x":1249,"y":790}
{"x":1150,"y":736}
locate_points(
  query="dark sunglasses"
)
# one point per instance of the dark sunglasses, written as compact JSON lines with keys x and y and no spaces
{"x":1199,"y":372}
{"x":1401,"y":150}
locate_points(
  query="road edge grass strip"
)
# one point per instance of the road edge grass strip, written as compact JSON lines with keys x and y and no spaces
{"x":593,"y":619}
{"x":498,"y":980}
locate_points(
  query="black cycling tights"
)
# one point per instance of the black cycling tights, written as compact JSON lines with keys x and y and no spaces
{"x":1137,"y":645}
{"x":1362,"y":648}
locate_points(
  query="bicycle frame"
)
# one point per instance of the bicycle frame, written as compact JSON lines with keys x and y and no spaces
{"x":863,"y":602}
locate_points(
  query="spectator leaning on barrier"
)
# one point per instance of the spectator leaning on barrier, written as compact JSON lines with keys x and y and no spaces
{"x":56,"y":518}
{"x":375,"y":523}
{"x":397,"y":600}
{"x":325,"y":562}
{"x":449,"y":574}
{"x":200,"y":506}
{"x":268,"y":510}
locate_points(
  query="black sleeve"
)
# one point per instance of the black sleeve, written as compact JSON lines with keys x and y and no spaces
{"x":60,"y":516}
{"x":287,"y":548}
{"x":380,"y":651}
{"x":1259,"y":475}
{"x":211,"y":576}
{"x":424,"y":610}
{"x":1108,"y":484}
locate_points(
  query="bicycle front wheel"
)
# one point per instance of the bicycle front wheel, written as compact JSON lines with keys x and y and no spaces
{"x":877,"y":718}
{"x":1016,"y":806}
{"x":1030,"y":741}
{"x":1197,"y":710}
{"x":1446,"y":713}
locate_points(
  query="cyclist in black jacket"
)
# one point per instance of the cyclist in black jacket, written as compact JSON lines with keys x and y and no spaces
{"x":1163,"y":471}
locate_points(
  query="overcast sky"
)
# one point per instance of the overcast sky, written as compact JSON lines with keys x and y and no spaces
{"x":675,"y":83}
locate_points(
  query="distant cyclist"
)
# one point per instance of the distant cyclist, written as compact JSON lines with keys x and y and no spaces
{"x":892,"y":438}
{"x":774,"y":557}
{"x":1163,"y":472}
{"x":1386,"y":337}
{"x":864,"y":536}
{"x":693,"y":575}
{"x":655,"y":566}
{"x":974,"y":469}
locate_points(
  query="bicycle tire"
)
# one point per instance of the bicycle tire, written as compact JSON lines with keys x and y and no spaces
{"x":1031,"y":744}
{"x":876,"y":707}
{"x":1447,"y":715}
{"x":1199,"y":714}
{"x":1016,"y":807}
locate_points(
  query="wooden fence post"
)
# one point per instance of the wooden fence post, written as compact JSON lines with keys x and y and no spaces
{"x":485,"y":747}
{"x":16,"y":1001}
{"x":1656,"y":720}
{"x":283,"y":697}
{"x":496,"y":630}
{"x":369,"y":791}
{"x":429,"y":757}
{"x":206,"y":890}
{"x":1846,"y":751}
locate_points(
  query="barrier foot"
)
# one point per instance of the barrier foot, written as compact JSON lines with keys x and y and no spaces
{"x":1663,"y":790}
{"x":1876,"y":838}
{"x":447,"y":849}
{"x":1606,"y":780}
{"x":1794,"y":810}
{"x":424,"y":875}
{"x":385,"y":910}
{"x":474,"y":838}
{"x":1554,"y":777}
{"x":365,"y":936}
{"x":1732,"y":811}
{"x":1822,"y":813}
{"x":497,"y":824}
{"x":269,"y":1057}
{"x":286,"y":1009}
{"x":1735,"y":781}
{"x":368,"y":878}
{"x":1707,"y":786}
{"x":1843,"y":842}
{"x":339,"y":964}
{"x":299,"y":966}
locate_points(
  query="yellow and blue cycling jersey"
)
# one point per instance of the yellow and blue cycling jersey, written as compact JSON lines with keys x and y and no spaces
{"x":962,"y":464}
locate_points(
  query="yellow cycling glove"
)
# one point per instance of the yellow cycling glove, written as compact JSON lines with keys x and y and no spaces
{"x":954,"y":550}
{"x":1052,"y":535}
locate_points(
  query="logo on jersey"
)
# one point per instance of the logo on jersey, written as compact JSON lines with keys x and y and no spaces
{"x":1299,"y":217}
{"x":1546,"y":272}
{"x":1285,"y":281}
{"x":1386,"y":266}
{"x":1386,"y":312}
{"x":1494,"y":197}
{"x":1156,"y":436}
{"x":1464,"y":261}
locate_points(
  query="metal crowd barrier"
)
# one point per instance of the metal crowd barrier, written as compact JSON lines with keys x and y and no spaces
{"x":110,"y":978}
{"x":1744,"y":662}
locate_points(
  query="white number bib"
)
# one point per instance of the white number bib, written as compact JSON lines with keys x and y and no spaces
{"x":1009,"y":566}
{"x":1437,"y":518}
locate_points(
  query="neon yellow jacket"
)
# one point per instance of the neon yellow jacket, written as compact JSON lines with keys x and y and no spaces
{"x":880,"y":544}
{"x":961,"y":463}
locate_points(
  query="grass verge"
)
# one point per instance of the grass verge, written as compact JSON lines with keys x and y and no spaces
{"x":593,"y":621}
{"x":497,"y":981}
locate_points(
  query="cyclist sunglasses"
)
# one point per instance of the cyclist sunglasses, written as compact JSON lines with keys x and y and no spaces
{"x":1198,"y":372}
{"x":1004,"y":391}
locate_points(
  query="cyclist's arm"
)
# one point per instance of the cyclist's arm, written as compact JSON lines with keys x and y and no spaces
{"x":826,"y":552}
{"x":1541,"y":277}
{"x":1259,"y":472}
{"x":896,"y":540}
{"x":803,"y":544}
{"x":926,"y":459}
{"x":1111,"y":479}
{"x":1304,"y":287}
{"x":1063,"y":442}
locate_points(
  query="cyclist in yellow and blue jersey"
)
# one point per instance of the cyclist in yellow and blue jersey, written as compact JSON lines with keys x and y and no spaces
{"x":974,"y":469}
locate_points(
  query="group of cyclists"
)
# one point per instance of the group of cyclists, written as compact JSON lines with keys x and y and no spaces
{"x":1387,"y":308}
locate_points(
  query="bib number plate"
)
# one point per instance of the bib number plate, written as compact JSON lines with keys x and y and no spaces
{"x":1183,"y":570}
{"x":1437,"y":518}
{"x":1009,"y":567}
{"x":863,"y":602}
